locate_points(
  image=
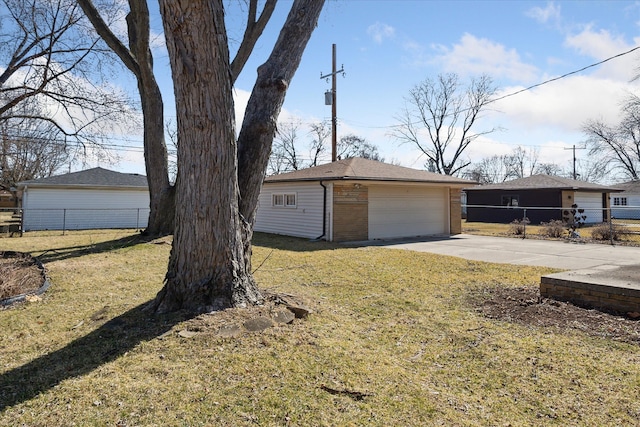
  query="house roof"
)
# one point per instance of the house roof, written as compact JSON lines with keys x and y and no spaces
{"x":544,"y":182}
{"x":96,"y":177}
{"x":358,"y":168}
{"x":630,"y":187}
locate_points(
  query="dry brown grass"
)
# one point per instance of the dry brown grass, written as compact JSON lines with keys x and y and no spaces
{"x":393,"y":340}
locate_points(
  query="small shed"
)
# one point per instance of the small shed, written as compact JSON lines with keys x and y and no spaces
{"x":544,"y":196}
{"x":359,"y":199}
{"x":7,"y":199}
{"x":89,"y":199}
{"x":626,"y":204}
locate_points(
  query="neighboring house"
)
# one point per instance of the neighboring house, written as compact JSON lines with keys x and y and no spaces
{"x":626,"y":204}
{"x":537,"y":191}
{"x":89,"y":199}
{"x":358,"y":199}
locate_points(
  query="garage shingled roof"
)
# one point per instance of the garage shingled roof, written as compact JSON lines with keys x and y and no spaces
{"x":96,"y":177}
{"x":358,"y":168}
{"x":542,"y":181}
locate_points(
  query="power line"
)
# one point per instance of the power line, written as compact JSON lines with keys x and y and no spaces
{"x":529,"y":87}
{"x":566,"y":75}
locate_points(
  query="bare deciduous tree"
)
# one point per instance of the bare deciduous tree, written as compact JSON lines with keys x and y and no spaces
{"x":439,"y":116}
{"x":220,"y":179}
{"x":355,"y":146}
{"x":550,"y":169}
{"x":320,"y":133}
{"x":137,"y":57}
{"x":54,"y":62}
{"x":520,"y":163}
{"x":287,"y":146}
{"x":284,"y":154}
{"x":29,"y":149}
{"x":618,"y":145}
{"x":489,"y":170}
{"x":593,"y":170}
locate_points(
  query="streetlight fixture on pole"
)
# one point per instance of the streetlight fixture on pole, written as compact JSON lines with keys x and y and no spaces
{"x":333,"y":100}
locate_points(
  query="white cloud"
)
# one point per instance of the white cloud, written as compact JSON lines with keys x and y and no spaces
{"x":544,"y":15}
{"x":596,"y":44}
{"x":564,"y":105}
{"x":473,"y":56}
{"x":379,"y":31}
{"x":601,"y":45}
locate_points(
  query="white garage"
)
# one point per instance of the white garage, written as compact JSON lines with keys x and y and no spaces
{"x":90,"y":199}
{"x":592,"y":204}
{"x":359,"y":199}
{"x":403,"y":211}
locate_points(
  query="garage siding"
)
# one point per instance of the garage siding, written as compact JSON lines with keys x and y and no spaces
{"x":396,"y":211}
{"x":592,"y":205}
{"x":303,"y":220}
{"x":82,"y":209}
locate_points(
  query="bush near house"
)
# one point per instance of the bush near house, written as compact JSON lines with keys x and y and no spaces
{"x":554,"y":229}
{"x":518,"y":227}
{"x":606,"y":231}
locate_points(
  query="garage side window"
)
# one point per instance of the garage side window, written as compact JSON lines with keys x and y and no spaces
{"x":619,"y":201}
{"x":284,"y":200}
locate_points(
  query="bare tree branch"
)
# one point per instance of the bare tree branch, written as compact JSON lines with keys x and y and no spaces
{"x":252,"y":33}
{"x":55,"y":61}
{"x":618,"y":145}
{"x":438,"y":118}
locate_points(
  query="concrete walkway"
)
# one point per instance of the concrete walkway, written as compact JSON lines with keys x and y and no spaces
{"x":547,"y":253}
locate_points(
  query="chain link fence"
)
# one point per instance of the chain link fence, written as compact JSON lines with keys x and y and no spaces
{"x":614,"y":225}
{"x":17,"y":221}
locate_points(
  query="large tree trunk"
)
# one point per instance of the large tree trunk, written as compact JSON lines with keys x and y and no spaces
{"x":206,"y":268}
{"x":139,"y":60}
{"x":261,"y":115}
{"x":161,"y":192}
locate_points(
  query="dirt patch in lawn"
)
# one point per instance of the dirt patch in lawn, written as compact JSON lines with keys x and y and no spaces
{"x":20,"y":274}
{"x":525,"y":305}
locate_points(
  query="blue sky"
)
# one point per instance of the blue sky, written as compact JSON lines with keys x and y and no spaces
{"x":389,"y":46}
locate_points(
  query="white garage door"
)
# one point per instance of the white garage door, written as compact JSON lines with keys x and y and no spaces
{"x":592,"y":205}
{"x":407,"y":211}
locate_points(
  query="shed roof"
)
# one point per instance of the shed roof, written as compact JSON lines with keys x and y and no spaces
{"x":544,"y":182}
{"x":358,"y":168}
{"x":96,"y":177}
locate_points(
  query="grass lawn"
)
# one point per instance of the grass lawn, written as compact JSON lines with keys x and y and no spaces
{"x":393,"y":340}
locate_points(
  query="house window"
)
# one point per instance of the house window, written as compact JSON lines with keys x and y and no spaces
{"x":619,"y":201}
{"x":284,"y":200}
{"x":510,"y":200}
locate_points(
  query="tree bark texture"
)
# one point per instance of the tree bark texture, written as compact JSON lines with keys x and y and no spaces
{"x":261,"y":115}
{"x":139,"y":60}
{"x":161,"y":192}
{"x":206,"y":269}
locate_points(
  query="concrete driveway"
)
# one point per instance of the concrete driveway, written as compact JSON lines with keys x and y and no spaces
{"x":547,"y":253}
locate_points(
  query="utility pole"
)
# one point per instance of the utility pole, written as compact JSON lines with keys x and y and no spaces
{"x":334,"y":113}
{"x":575,"y":175}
